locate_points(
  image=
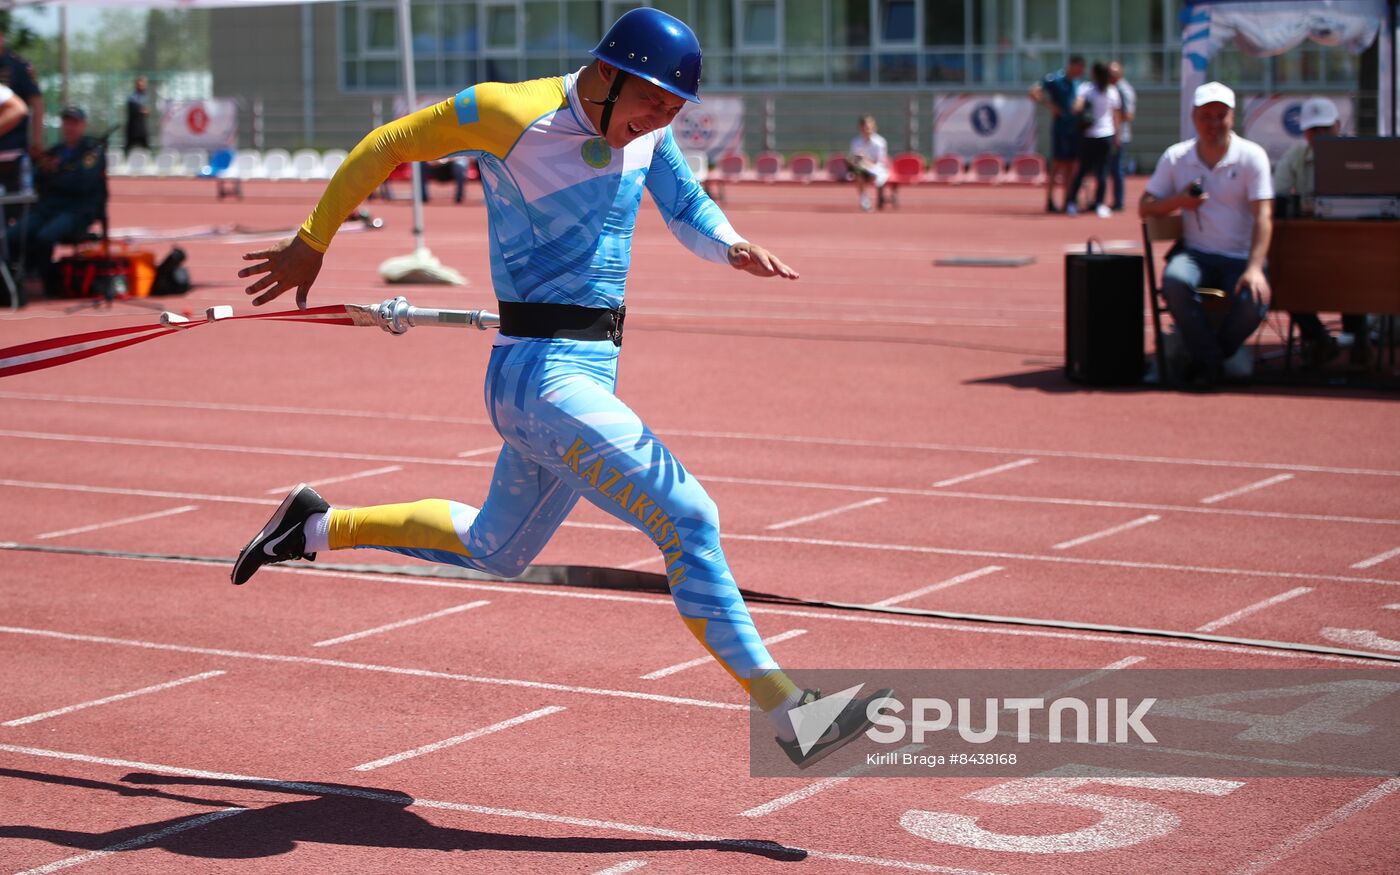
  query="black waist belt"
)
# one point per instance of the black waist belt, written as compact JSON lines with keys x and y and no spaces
{"x":561,"y":320}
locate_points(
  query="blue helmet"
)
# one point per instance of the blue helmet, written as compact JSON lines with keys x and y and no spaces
{"x":657,"y":47}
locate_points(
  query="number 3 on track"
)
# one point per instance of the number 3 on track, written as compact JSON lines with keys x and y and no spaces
{"x":1122,"y":822}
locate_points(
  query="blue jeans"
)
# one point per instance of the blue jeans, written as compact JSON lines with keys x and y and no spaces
{"x":1115,"y":172}
{"x":1210,"y":339}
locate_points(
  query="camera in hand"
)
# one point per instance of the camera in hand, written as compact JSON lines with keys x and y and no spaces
{"x":1196,"y":189}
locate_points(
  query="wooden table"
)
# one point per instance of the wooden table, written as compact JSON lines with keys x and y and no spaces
{"x":1335,"y":266}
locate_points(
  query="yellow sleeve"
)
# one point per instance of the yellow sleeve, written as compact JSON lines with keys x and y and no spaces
{"x":485,"y":118}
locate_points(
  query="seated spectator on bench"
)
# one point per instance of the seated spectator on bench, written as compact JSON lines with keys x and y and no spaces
{"x":72,"y":192}
{"x":869,"y":160}
{"x":1221,"y":183}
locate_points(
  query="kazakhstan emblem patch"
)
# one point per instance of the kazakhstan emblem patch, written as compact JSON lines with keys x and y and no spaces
{"x":596,"y":153}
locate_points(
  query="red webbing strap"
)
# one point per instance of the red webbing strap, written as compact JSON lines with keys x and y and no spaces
{"x":39,"y":354}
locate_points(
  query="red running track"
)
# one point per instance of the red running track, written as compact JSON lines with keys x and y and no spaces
{"x":882,"y":430}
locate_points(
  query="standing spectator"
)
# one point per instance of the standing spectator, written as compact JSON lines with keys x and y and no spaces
{"x":1293,"y":178}
{"x":1097,"y":102}
{"x":18,"y":76}
{"x":869,"y":160}
{"x":1125,"y":130}
{"x":1222,"y":180}
{"x":450,"y":169}
{"x":1057,"y":91}
{"x":138,"y":112}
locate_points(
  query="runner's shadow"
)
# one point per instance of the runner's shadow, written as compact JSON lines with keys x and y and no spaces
{"x":334,"y":814}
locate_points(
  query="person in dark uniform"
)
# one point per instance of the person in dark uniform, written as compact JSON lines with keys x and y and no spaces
{"x":72,"y":183}
{"x":138,"y":111}
{"x":16,"y":73}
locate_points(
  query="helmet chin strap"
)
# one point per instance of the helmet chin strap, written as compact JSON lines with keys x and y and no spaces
{"x":610,"y":101}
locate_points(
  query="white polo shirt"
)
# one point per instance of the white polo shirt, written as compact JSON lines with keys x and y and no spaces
{"x":1101,"y":105}
{"x":1225,"y":222}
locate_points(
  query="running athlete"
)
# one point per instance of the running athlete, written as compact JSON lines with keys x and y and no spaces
{"x":564,"y":161}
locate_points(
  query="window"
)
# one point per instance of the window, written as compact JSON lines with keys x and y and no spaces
{"x":542,"y":27}
{"x":898,"y":21}
{"x":945,"y":22}
{"x":758,"y":23}
{"x":501,"y":24}
{"x":1139,"y":23}
{"x":1040,"y":21}
{"x":850,"y":23}
{"x":583,"y":26}
{"x":804,"y":27}
{"x":1091,"y":22}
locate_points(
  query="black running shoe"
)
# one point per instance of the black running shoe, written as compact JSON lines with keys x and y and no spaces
{"x":843,"y":729}
{"x":281,"y":539}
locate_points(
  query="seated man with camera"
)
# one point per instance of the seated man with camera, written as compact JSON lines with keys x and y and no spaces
{"x":1221,"y":183}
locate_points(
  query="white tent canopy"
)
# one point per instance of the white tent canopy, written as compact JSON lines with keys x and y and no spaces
{"x":1272,"y":27}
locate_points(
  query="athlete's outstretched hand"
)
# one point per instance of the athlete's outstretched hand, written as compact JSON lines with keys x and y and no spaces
{"x":758,"y":261}
{"x":290,"y":264}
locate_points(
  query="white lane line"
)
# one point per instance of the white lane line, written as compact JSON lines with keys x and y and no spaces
{"x":1361,"y":639}
{"x":132,"y":844}
{"x":481,"y":451}
{"x":1318,"y":827}
{"x":35,"y":718}
{"x":354,"y":636}
{"x":620,"y":868}
{"x":397,"y":800}
{"x":372,"y":472}
{"x":944,"y":584}
{"x":815,"y":440}
{"x":456,"y":740}
{"x":641,"y":563}
{"x":1280,"y":478}
{"x":795,"y":796}
{"x":145,"y":517}
{"x":383,"y":669}
{"x":1254,"y":608}
{"x":706,"y":660}
{"x":787,"y":524}
{"x":240,"y":408}
{"x":1140,"y":521}
{"x":952,"y":481}
{"x":1378,"y":558}
{"x":812,"y":789}
{"x":237,"y":448}
{"x":837,"y":487}
{"x":144,"y":493}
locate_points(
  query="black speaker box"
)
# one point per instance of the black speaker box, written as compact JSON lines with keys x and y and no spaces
{"x":1103,"y":319}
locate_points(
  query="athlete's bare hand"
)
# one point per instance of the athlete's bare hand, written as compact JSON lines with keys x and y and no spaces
{"x":290,"y":264}
{"x":758,"y":261}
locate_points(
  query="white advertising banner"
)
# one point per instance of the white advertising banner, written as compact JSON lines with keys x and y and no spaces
{"x":970,"y":124}
{"x":200,"y":124}
{"x":1272,"y":120}
{"x":715,"y":127}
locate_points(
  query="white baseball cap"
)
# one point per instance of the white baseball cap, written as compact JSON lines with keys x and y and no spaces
{"x":1317,"y":112}
{"x":1214,"y":92}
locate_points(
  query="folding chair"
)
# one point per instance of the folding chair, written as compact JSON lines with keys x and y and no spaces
{"x":768,"y":166}
{"x":803,"y":167}
{"x":838,"y":168}
{"x":908,"y":168}
{"x":1158,"y":228}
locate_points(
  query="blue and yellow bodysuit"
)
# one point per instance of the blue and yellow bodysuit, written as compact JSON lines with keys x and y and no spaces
{"x":562,"y":206}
